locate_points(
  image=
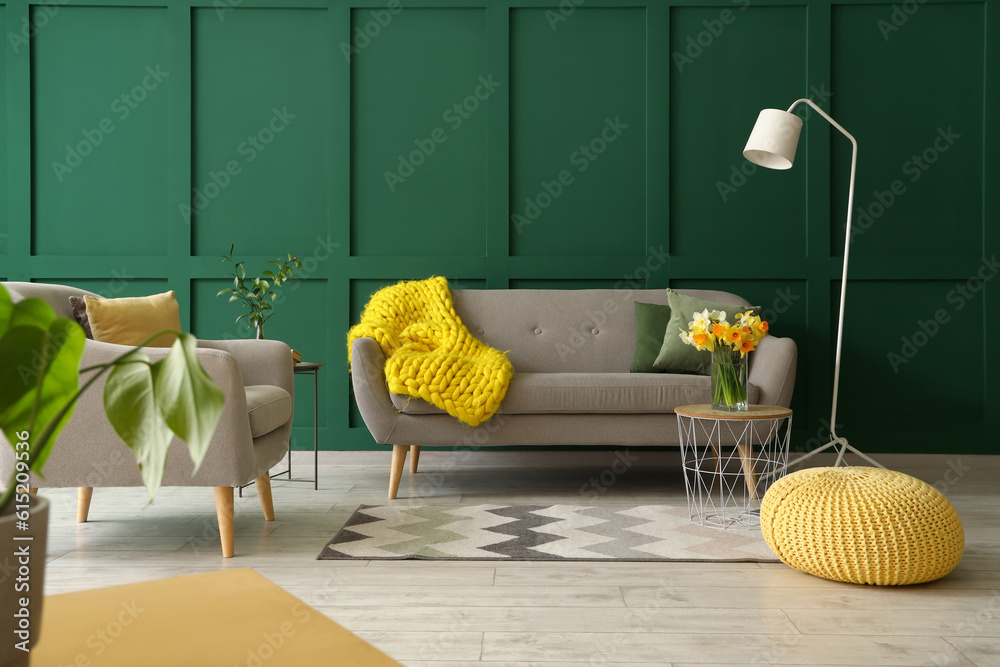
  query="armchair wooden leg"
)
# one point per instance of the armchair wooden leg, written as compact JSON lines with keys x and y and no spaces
{"x":83,"y":496}
{"x":224,"y":510}
{"x":414,"y":457}
{"x":398,"y":458}
{"x":264,"y":491}
{"x":33,"y":490}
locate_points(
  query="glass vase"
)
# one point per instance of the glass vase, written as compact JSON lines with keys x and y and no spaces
{"x":729,"y":381}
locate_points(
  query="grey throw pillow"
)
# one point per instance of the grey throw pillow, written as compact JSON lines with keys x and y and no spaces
{"x":79,"y":307}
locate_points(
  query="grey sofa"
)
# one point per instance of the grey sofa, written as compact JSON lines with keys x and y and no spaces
{"x":252,"y":435}
{"x":571,"y":352}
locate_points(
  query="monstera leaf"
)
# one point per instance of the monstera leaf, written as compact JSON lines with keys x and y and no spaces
{"x":39,"y":373}
{"x":149,"y":403}
{"x":146,"y":403}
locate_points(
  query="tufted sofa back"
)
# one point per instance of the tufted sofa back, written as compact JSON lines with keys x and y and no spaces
{"x":564,"y":331}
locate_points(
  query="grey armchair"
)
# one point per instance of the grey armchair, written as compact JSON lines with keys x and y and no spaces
{"x":252,"y":435}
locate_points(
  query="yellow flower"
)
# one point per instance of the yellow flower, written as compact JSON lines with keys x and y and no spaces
{"x":734,"y":335}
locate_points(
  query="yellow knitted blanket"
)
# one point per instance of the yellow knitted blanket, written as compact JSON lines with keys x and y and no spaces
{"x":429,"y":352}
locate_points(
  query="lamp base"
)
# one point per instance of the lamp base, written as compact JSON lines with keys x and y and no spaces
{"x":844,"y":448}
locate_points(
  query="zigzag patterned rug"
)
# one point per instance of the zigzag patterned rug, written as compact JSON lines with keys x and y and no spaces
{"x":539,"y":532}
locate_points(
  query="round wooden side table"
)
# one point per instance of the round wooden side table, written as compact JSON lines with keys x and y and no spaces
{"x":730,"y":459}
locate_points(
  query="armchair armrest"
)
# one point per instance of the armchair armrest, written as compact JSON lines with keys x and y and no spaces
{"x":370,"y":390}
{"x":90,"y":453}
{"x":259,"y":361}
{"x":772,"y":370}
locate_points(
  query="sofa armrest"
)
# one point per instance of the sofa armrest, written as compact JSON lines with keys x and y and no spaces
{"x":772,"y":370}
{"x":370,"y":390}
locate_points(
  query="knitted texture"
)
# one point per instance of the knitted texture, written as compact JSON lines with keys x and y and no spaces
{"x":862,"y":525}
{"x":429,"y":352}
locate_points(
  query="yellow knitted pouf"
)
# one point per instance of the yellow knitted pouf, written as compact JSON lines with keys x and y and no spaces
{"x":862,"y":525}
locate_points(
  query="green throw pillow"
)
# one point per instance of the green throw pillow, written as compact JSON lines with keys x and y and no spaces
{"x":650,"y":323}
{"x":675,"y":355}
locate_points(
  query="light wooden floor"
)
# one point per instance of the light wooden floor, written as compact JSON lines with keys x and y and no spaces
{"x":505,"y":614}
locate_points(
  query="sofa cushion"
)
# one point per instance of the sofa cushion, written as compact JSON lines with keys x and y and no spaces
{"x":132,"y":320}
{"x":675,"y":355}
{"x":651,"y":320}
{"x":572,"y":393}
{"x":269,"y":407}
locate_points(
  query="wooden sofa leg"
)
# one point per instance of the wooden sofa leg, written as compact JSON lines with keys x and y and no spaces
{"x":224,"y":510}
{"x":414,"y":457}
{"x":33,"y":490}
{"x":398,"y":458}
{"x":264,"y":491}
{"x":83,"y":496}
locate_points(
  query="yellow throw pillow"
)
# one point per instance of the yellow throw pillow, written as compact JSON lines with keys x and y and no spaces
{"x":131,"y":320}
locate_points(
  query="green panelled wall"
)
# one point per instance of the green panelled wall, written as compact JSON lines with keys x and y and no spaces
{"x":529,"y":144}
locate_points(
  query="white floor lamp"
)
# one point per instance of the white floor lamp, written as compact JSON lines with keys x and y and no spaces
{"x":772,"y":144}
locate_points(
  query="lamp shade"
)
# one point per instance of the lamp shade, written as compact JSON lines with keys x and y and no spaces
{"x":774,"y":139}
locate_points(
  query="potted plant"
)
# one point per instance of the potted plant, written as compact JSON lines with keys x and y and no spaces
{"x":257,"y":295}
{"x":40,"y":382}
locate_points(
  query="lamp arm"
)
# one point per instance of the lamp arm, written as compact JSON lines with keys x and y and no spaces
{"x":847,"y":248}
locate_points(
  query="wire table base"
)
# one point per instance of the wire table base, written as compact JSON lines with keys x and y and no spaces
{"x":729,"y":462}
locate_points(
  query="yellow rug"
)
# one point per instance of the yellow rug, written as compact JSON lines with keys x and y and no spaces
{"x":429,"y":352}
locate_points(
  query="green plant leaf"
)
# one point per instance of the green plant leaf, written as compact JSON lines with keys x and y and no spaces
{"x":6,"y":310}
{"x":39,"y":376}
{"x":190,"y":402}
{"x":32,"y":313}
{"x":267,"y":274}
{"x":130,"y":403}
